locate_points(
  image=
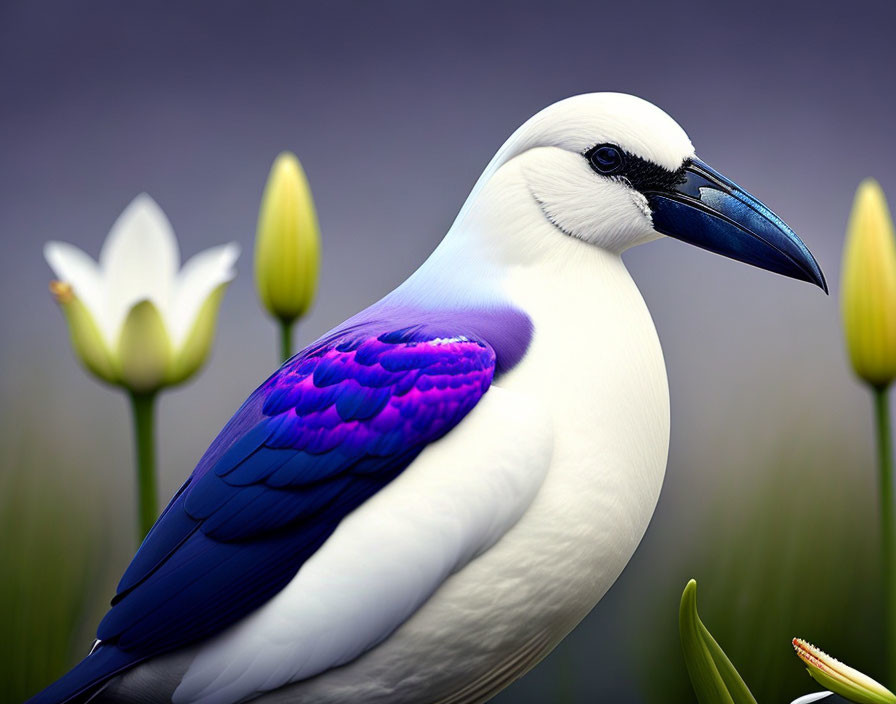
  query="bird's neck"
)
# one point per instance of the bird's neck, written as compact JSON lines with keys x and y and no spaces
{"x":500,"y":231}
{"x":593,"y":337}
{"x":594,"y":362}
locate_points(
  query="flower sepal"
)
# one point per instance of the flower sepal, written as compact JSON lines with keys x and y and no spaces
{"x":197,"y":346}
{"x":85,"y":336}
{"x":144,"y":349}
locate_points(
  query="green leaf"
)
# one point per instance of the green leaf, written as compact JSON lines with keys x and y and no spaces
{"x":714,"y":679}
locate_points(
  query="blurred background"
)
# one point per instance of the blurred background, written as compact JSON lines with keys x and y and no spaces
{"x":394,"y":108}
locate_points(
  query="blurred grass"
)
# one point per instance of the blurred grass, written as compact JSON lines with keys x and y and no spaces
{"x":51,"y":557}
{"x":791,"y":551}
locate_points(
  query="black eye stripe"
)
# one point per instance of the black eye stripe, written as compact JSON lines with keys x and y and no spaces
{"x":643,"y":175}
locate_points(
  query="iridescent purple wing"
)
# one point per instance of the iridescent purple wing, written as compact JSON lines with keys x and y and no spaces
{"x":333,"y":426}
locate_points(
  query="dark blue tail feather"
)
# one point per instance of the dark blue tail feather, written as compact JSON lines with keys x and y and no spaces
{"x":86,"y":677}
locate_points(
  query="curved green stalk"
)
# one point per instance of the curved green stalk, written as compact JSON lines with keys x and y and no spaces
{"x":143,"y":408}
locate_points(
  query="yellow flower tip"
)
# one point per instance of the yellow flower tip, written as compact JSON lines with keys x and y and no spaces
{"x":286,"y":166}
{"x":841,"y":678}
{"x":62,"y":292}
{"x":813,"y":656}
{"x":869,"y":194}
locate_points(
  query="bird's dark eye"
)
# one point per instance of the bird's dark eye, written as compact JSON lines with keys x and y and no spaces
{"x":606,"y":159}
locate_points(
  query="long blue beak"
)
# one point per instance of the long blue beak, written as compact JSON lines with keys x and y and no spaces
{"x":707,"y":210}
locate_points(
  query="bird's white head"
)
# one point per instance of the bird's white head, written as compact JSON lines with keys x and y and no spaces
{"x":613,"y":170}
{"x":556,"y":151}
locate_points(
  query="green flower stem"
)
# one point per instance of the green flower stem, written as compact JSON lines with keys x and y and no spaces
{"x":887,"y":529}
{"x":286,"y":330}
{"x":143,"y":407}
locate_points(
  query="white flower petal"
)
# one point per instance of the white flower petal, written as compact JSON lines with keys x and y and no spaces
{"x":814,"y":697}
{"x":139,"y":261}
{"x":72,"y":266}
{"x":198,"y":278}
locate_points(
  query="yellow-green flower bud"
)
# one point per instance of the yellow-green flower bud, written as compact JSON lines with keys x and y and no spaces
{"x":841,"y":679}
{"x":287,"y":245}
{"x":868,"y":287}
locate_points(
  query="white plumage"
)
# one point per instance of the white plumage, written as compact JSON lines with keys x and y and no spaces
{"x":523,"y":516}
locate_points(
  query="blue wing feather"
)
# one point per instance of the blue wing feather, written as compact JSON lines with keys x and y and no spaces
{"x":333,"y":426}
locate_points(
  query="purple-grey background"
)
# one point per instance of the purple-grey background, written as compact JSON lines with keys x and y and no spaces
{"x":394,"y":108}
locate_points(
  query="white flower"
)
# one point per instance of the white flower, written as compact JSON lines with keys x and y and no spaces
{"x":135,"y":318}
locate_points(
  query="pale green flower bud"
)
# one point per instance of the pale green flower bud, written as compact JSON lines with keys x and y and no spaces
{"x":868,"y":287}
{"x":841,"y":679}
{"x":287,"y":244}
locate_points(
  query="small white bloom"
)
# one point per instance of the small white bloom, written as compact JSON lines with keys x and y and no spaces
{"x":149,"y":323}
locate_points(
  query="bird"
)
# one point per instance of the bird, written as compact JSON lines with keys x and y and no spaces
{"x":421,"y":504}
